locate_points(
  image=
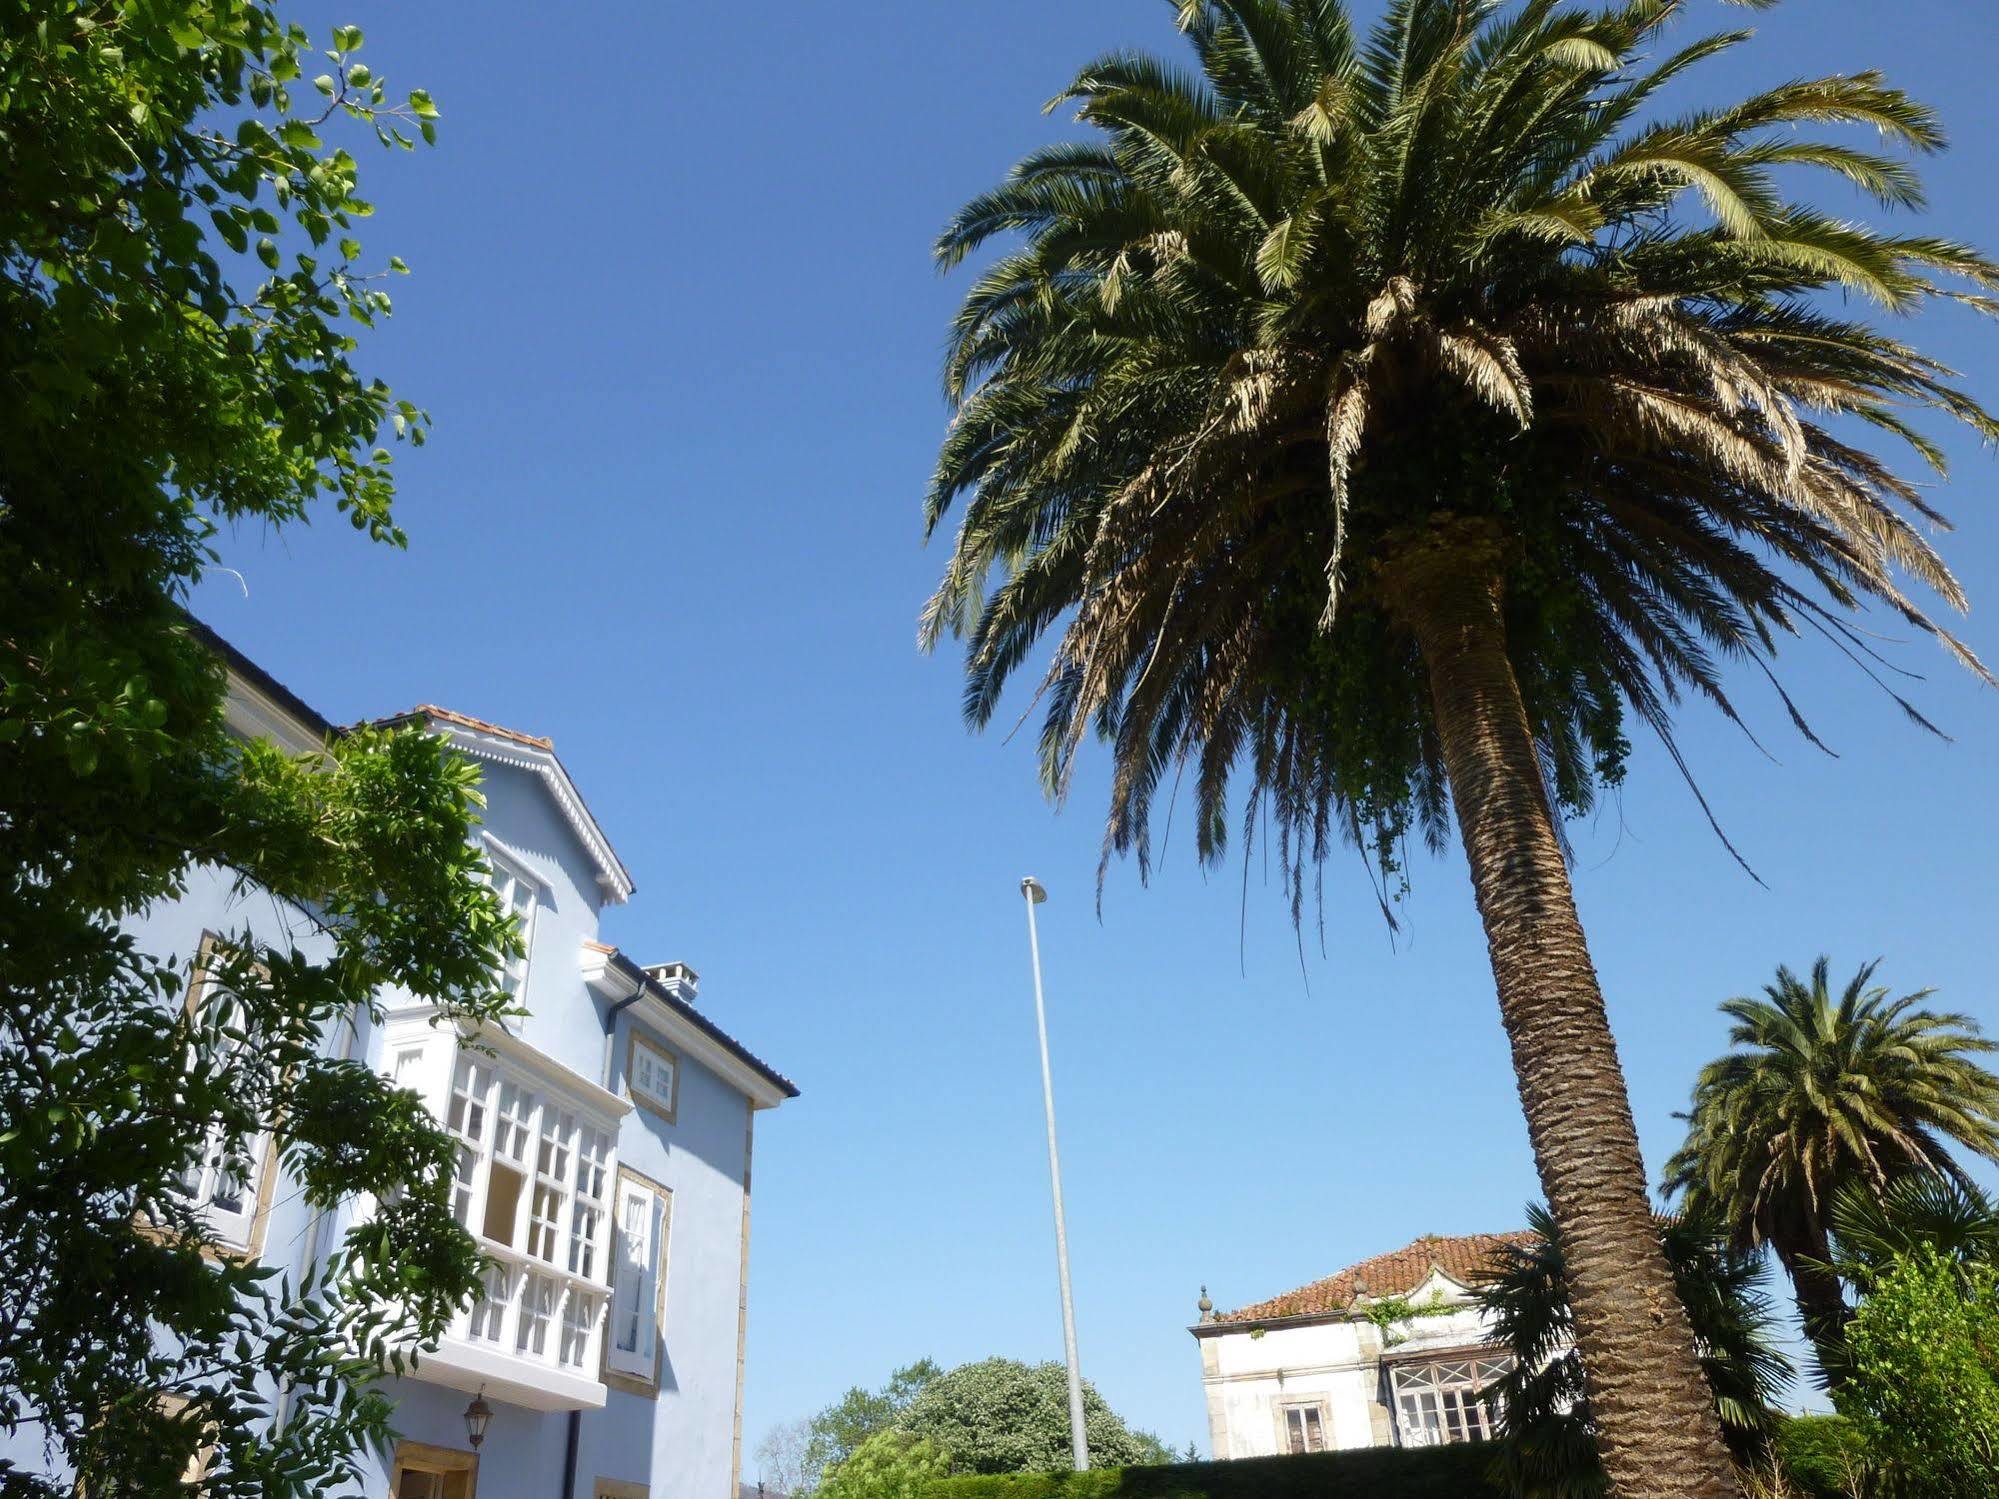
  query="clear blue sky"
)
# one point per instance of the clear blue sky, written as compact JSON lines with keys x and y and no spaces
{"x":673,"y":309}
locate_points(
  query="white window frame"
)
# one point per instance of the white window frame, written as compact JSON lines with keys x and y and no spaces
{"x":520,"y":893}
{"x":1301,"y":1409}
{"x":644,"y":1059}
{"x":1456,"y":1388}
{"x":240,"y":1231}
{"x":643,"y":1217}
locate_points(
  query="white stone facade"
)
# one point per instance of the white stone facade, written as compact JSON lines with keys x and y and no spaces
{"x":1352,"y":1374}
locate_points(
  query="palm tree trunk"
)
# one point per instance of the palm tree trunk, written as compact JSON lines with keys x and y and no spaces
{"x":1655,"y":1416}
{"x":1822,"y":1307}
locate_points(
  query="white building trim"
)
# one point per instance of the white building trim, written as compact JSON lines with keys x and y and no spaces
{"x":499,"y":750}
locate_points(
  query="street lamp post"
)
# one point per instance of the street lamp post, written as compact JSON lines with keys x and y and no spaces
{"x":1079,"y":1443}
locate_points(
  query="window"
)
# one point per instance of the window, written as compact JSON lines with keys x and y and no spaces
{"x":488,"y":1316}
{"x":530,"y":1181}
{"x":653,"y":1074}
{"x":1445,"y":1401}
{"x":638,"y":1288}
{"x":230,"y":1182}
{"x":426,"y":1472}
{"x":1305,"y":1427}
{"x":520,"y":897}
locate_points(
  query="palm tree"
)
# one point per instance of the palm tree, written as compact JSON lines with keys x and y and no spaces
{"x":1819,"y":1094}
{"x":1945,"y":1214}
{"x":1542,"y":1403}
{"x":1375,"y":429}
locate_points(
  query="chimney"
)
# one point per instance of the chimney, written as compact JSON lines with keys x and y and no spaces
{"x":677,"y":979}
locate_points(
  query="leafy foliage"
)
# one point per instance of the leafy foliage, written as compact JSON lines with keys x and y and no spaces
{"x":1924,"y":1381}
{"x":1544,"y":1407}
{"x":180,"y":293}
{"x":1320,"y":299}
{"x":841,"y":1428}
{"x":1820,"y":1092}
{"x":888,"y":1465}
{"x":1003,"y":1416}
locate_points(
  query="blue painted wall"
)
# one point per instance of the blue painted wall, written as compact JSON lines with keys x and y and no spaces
{"x":678,"y":1444}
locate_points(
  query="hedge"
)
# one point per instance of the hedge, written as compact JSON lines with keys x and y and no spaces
{"x":1454,"y":1472}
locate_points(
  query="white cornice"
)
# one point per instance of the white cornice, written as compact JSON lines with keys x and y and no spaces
{"x":611,"y":876}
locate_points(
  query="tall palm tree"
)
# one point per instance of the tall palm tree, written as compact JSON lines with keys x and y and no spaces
{"x":1821,"y":1093}
{"x":1375,"y":427}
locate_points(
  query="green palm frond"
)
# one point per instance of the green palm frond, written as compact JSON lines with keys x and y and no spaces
{"x":1311,"y":294}
{"x":1542,"y":1403}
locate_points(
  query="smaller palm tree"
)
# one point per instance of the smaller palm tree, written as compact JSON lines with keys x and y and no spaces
{"x":1543,"y":1405}
{"x":1952,"y":1218}
{"x":1820,"y":1093}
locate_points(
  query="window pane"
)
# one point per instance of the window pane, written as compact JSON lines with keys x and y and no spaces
{"x":503,"y":1196}
{"x":489,"y":1312}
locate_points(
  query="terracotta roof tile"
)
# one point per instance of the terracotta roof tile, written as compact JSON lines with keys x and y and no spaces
{"x":1466,"y":1258}
{"x":467,"y":721}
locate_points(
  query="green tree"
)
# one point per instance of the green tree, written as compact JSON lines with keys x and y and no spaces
{"x":1544,"y":1404}
{"x":838,"y":1431}
{"x":1378,"y":426}
{"x":888,"y":1465}
{"x":1819,"y":1092}
{"x":180,"y":292}
{"x":1924,"y":1376}
{"x":1002,"y":1416}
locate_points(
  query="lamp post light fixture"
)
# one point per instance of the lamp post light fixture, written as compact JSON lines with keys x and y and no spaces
{"x":1031,"y":889}
{"x":477,"y":1414}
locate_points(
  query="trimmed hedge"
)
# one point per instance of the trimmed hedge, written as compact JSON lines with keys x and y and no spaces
{"x":1459,"y":1472}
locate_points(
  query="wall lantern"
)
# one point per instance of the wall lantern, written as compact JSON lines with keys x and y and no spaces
{"x":477,"y":1414}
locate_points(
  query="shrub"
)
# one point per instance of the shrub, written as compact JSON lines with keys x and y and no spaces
{"x":1824,"y":1457}
{"x":1923,"y":1382}
{"x":1002,"y":1416}
{"x":888,"y":1465}
{"x":1461,"y":1472}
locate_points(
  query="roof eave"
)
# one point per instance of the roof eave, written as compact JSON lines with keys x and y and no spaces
{"x":612,"y":973}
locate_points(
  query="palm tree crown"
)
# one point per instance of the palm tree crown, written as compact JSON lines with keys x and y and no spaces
{"x":1821,"y":1092}
{"x":1289,"y":319}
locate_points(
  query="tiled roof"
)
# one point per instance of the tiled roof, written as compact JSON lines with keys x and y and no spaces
{"x":467,"y":721}
{"x":1466,"y":1258}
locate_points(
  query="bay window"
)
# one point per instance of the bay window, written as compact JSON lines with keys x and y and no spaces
{"x":1446,"y":1400}
{"x":533,"y":1170}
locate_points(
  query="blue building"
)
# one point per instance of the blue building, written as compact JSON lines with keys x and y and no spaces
{"x":604,"y":1163}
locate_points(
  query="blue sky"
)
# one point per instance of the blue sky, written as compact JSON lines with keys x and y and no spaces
{"x":673,"y":310}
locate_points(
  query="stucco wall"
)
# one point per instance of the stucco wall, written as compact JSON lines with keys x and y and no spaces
{"x":1250,"y":1374}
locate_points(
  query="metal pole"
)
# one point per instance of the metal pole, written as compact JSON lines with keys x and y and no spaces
{"x":1079,"y":1442}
